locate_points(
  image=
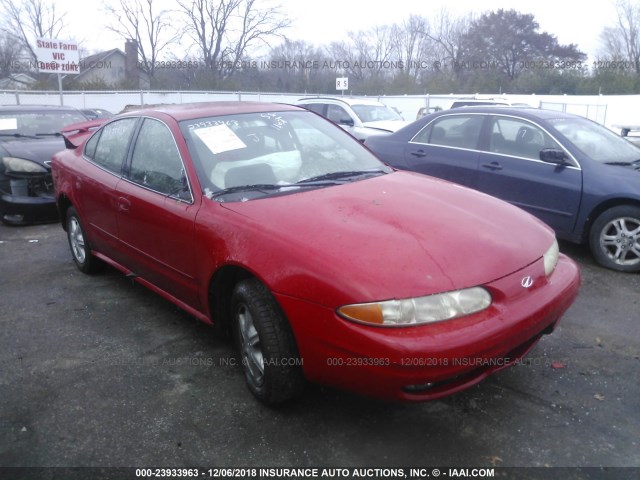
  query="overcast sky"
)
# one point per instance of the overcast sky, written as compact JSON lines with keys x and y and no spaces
{"x":323,"y":21}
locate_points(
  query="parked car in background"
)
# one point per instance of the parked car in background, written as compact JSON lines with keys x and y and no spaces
{"x":467,"y":102}
{"x":95,"y":113}
{"x":324,"y":263}
{"x":360,"y":117}
{"x":29,"y":136}
{"x":576,"y":175}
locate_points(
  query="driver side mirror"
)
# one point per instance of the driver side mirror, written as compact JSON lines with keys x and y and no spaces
{"x":554,"y":155}
{"x":346,"y":121}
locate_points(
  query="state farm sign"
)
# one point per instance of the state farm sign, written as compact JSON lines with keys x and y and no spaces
{"x":56,"y":56}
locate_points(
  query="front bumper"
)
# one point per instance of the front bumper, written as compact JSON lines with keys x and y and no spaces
{"x":28,"y":202}
{"x":431,"y":361}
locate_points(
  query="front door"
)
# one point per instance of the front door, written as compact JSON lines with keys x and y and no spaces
{"x":156,"y":214}
{"x":511,"y":169}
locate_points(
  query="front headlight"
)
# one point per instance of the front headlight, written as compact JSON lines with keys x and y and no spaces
{"x":420,"y":310}
{"x":551,"y":257}
{"x":21,"y":165}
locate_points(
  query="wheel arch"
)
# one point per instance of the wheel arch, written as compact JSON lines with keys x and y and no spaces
{"x":221,"y":286}
{"x":63,"y":202}
{"x":600,"y":209}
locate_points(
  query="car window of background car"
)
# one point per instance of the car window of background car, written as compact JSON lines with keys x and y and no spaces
{"x":156,"y":162}
{"x":337,"y":114}
{"x":460,"y":131}
{"x":273,"y":148}
{"x":595,"y":141}
{"x":32,"y":123}
{"x":112,"y":145}
{"x":315,"y":107}
{"x":519,"y":138}
{"x":375,"y":113}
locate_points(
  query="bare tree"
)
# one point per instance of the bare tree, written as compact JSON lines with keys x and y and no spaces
{"x":149,"y":26}
{"x":257,"y":26}
{"x":411,"y":45}
{"x":207,"y":22}
{"x":448,"y":35}
{"x":9,"y":56}
{"x":26,"y":20}
{"x":366,"y":55}
{"x":224,"y":30}
{"x":297,"y":66}
{"x":622,"y":40}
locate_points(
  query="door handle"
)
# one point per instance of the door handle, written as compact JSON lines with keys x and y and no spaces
{"x":419,"y":153}
{"x":492,"y":166}
{"x":124,"y":205}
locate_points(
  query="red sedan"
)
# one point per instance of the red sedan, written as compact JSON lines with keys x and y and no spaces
{"x":324,"y":263}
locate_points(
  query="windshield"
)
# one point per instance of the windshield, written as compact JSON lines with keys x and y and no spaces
{"x":375,"y":113}
{"x":33,"y":123}
{"x":597,"y":142}
{"x":287,"y":150}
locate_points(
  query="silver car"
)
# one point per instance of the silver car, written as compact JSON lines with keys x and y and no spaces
{"x":362,"y":118}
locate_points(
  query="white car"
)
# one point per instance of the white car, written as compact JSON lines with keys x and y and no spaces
{"x":360,"y":117}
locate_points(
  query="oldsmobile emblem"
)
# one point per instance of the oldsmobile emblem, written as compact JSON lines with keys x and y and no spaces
{"x":526,"y":282}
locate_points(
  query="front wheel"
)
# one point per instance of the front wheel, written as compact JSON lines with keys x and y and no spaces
{"x":80,"y":249}
{"x":272,"y":366}
{"x":615,"y":238}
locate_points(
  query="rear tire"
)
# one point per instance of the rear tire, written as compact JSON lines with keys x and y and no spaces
{"x":80,"y":249}
{"x":615,"y":238}
{"x":267,"y":347}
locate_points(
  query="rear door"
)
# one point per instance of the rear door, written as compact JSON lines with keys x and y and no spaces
{"x":448,"y":148}
{"x":511,"y":169}
{"x":95,"y":184}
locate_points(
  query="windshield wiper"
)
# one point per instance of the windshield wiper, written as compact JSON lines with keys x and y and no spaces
{"x":52,"y":134}
{"x":246,"y":188}
{"x":339,"y":175}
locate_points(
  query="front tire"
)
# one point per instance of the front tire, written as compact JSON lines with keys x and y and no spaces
{"x":268,"y":350}
{"x":80,"y":249}
{"x":615,"y":238}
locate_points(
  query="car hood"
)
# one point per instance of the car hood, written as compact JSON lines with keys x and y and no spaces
{"x":393,"y":236}
{"x":386,"y":125}
{"x":39,"y":150}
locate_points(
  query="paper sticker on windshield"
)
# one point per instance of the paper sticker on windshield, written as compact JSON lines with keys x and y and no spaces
{"x":219,"y":138}
{"x":8,"y":123}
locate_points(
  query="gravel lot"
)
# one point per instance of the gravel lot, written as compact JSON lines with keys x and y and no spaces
{"x":99,"y":372}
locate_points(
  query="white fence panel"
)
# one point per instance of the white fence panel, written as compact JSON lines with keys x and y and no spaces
{"x":609,"y":110}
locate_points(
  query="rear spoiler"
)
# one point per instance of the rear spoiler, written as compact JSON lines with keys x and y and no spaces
{"x":77,"y":133}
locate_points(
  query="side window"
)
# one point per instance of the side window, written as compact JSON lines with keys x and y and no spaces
{"x":90,"y":147}
{"x":111,"y":147}
{"x":336,"y":114}
{"x":461,"y":131}
{"x":156,"y":162}
{"x":315,"y":107}
{"x":519,"y":138}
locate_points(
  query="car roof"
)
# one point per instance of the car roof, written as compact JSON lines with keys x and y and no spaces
{"x":524,"y":112}
{"x":187,"y":111}
{"x":348,"y":101}
{"x":488,"y":101}
{"x":36,"y":108}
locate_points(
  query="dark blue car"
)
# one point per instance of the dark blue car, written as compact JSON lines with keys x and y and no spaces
{"x":29,"y":136}
{"x":577,"y":176}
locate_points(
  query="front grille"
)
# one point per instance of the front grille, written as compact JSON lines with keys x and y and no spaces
{"x":41,"y":187}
